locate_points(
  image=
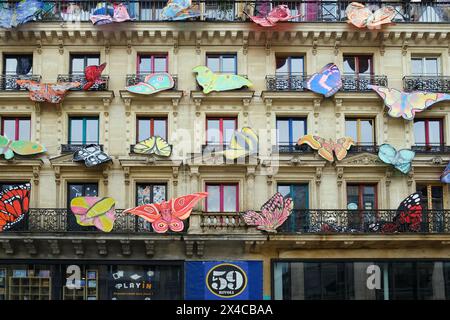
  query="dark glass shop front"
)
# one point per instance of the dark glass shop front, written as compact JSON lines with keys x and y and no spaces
{"x":361,"y":280}
{"x":91,"y":280}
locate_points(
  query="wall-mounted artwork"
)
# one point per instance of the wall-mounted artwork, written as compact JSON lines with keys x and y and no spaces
{"x":24,"y":148}
{"x":153,"y":83}
{"x":243,"y":143}
{"x":107,"y":13}
{"x":49,"y":92}
{"x":14,"y":14}
{"x":180,"y":10}
{"x":273,"y":214}
{"x":278,"y":14}
{"x":153,"y":145}
{"x":328,"y":147}
{"x":362,"y":16}
{"x":401,"y":159}
{"x":210,"y":81}
{"x":94,"y":211}
{"x":92,"y":155}
{"x":14,"y":205}
{"x":327,"y":81}
{"x":93,"y":76}
{"x":406,"y":104}
{"x":445,"y":176}
{"x":168,"y":214}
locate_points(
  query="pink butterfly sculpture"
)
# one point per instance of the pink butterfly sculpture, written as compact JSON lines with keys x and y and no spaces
{"x":279,"y":13}
{"x":168,"y":214}
{"x":273,"y":214}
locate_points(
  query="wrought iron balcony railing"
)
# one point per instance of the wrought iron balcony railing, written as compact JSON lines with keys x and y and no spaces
{"x":360,"y":148}
{"x":81,"y":78}
{"x":285,"y":147}
{"x":229,"y":10}
{"x":431,"y":149}
{"x":8,"y":81}
{"x":74,"y":147}
{"x":427,"y":83}
{"x":286,"y":82}
{"x":359,"y":83}
{"x":133,"y":79}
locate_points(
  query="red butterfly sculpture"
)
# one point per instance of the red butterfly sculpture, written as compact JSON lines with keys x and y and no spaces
{"x":168,"y":214}
{"x":93,"y":75}
{"x":14,"y":204}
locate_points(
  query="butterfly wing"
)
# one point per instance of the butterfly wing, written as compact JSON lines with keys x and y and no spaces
{"x":327,"y":81}
{"x":153,"y":83}
{"x":393,"y":99}
{"x":381,"y":16}
{"x":242,"y":143}
{"x":318,"y":143}
{"x":145,"y":146}
{"x":341,"y":147}
{"x":387,"y":153}
{"x":103,"y":214}
{"x":419,"y":101}
{"x":445,"y":176}
{"x":148,"y":212}
{"x":14,"y":205}
{"x":27,"y":10}
{"x":92,"y":155}
{"x":358,"y":14}
{"x":25,"y":148}
{"x":181,"y":207}
{"x":409,"y":213}
{"x":403,"y":159}
{"x":162,"y":147}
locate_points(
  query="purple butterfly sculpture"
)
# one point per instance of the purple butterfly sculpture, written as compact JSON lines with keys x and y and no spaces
{"x":273,"y":214}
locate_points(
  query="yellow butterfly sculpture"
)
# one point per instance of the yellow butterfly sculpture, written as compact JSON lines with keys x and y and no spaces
{"x":243,"y":143}
{"x":328,"y":147}
{"x":154,"y":145}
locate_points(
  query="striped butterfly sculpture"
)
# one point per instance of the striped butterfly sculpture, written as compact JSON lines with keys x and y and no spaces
{"x":153,"y":145}
{"x":94,"y":211}
{"x":243,"y":143}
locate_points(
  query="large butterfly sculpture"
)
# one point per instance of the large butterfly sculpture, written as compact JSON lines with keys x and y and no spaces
{"x":153,"y":83}
{"x":93,"y":76}
{"x":14,"y":205}
{"x":277,"y":14}
{"x":153,"y":145}
{"x":327,"y":147}
{"x":94,"y":211}
{"x":92,"y":155}
{"x":400,"y":159}
{"x":362,"y":17}
{"x":408,"y":217}
{"x":445,"y":176}
{"x":180,"y":10}
{"x":273,"y":214}
{"x":24,"y":148}
{"x":243,"y":143}
{"x":168,"y":214}
{"x":210,"y":81}
{"x":327,"y":81}
{"x":17,"y":13}
{"x":106,"y":13}
{"x":50,"y":92}
{"x":406,"y":104}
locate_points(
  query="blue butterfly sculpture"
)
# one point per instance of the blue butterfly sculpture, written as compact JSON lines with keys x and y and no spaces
{"x":400,"y":159}
{"x":327,"y":81}
{"x":18,"y":13}
{"x":445,"y":176}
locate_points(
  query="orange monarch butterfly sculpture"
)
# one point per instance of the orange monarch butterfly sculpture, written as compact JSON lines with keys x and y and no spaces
{"x":168,"y":214}
{"x":327,"y":147}
{"x":362,"y":17}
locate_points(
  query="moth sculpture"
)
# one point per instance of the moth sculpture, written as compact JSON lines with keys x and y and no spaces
{"x":92,"y":155}
{"x":362,"y":16}
{"x":328,"y":147}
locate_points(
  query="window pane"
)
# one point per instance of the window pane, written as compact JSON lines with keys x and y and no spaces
{"x":160,"y":64}
{"x":92,"y":131}
{"x":349,"y":65}
{"x":213,"y":63}
{"x":365,"y":64}
{"x":90,"y":190}
{"x":24,"y":129}
{"x":416,"y":66}
{"x":284,"y":190}
{"x":20,"y":65}
{"x":434,"y":132}
{"x":282,"y":65}
{"x":144,"y":194}
{"x":93,"y":61}
{"x":77,"y":65}
{"x":9,"y":128}
{"x":229,"y":64}
{"x":298,"y":130}
{"x":10,"y":65}
{"x":229,"y":198}
{"x":283,"y":132}
{"x":431,"y":66}
{"x":419,"y":132}
{"x":213,"y":199}
{"x":229,"y":126}
{"x":159,"y":193}
{"x":143,"y":129}
{"x":369,"y":198}
{"x":145,"y":65}
{"x":366,"y":132}
{"x":213,"y":133}
{"x":351,"y":129}
{"x":296,"y":65}
{"x":353,"y":195}
{"x":160,"y":128}
{"x":300,"y":196}
{"x":76,"y":131}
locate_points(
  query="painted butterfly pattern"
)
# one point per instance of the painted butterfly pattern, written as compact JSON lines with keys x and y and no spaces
{"x":94,"y":211}
{"x":328,"y":147}
{"x":168,"y":214}
{"x":24,"y":148}
{"x":327,"y":81}
{"x":180,"y":10}
{"x":14,"y":205}
{"x":106,"y":13}
{"x":277,"y":14}
{"x":153,"y":83}
{"x":49,"y":92}
{"x":154,"y":145}
{"x":273,"y":214}
{"x":92,"y":155}
{"x":445,"y":176}
{"x":243,"y":143}
{"x":400,"y":159}
{"x":362,"y":17}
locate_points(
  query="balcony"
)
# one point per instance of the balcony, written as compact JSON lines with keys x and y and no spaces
{"x":8,"y":82}
{"x":431,"y":149}
{"x":427,"y":83}
{"x":74,"y":147}
{"x":285,"y":147}
{"x":81,"y":78}
{"x":312,"y":11}
{"x":286,"y":82}
{"x":359,"y":83}
{"x":134,"y":79}
{"x":361,"y":148}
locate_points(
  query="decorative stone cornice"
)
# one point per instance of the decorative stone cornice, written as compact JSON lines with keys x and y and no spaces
{"x":105,"y":97}
{"x":245,"y":96}
{"x":172,"y":96}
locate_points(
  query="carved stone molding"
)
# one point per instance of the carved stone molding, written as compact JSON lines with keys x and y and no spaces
{"x":340,"y":176}
{"x":78,"y":247}
{"x":149,"y":248}
{"x":7,"y":246}
{"x":126,"y":172}
{"x":54,"y":247}
{"x":252,"y":246}
{"x":102,"y":248}
{"x":126,"y":247}
{"x":318,"y":176}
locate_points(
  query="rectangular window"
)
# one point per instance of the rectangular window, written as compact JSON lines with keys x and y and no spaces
{"x":149,"y":127}
{"x":16,"y":128}
{"x":289,"y":65}
{"x":299,"y":219}
{"x":79,"y":190}
{"x":361,"y":130}
{"x":358,"y":65}
{"x":220,"y":130}
{"x":425,"y":66}
{"x":18,"y":64}
{"x":222,"y":198}
{"x":79,"y":62}
{"x":222,"y":63}
{"x":289,"y":130}
{"x":147,"y":193}
{"x":152,"y":63}
{"x":428,"y":132}
{"x":83,"y":130}
{"x":361,"y":202}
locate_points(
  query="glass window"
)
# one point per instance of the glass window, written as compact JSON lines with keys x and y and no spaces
{"x":299,"y":218}
{"x":222,"y":198}
{"x":428,"y":132}
{"x":425,"y":66}
{"x":222,"y":63}
{"x":151,"y":63}
{"x":220,"y":130}
{"x":150,"y":193}
{"x":83,"y":130}
{"x":358,"y":65}
{"x":79,"y":62}
{"x":361,"y":130}
{"x":361,"y":202}
{"x":18,"y":64}
{"x":289,"y":130}
{"x":290,"y":65}
{"x":149,"y":127}
{"x":16,"y":128}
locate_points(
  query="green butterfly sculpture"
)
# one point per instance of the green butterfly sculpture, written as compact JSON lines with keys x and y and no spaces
{"x":23,"y":148}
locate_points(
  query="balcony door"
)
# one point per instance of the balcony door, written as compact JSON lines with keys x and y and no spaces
{"x":79,"y":190}
{"x":147,"y":193}
{"x":428,"y":134}
{"x":425,"y":66}
{"x":361,"y":202}
{"x":298,"y":221}
{"x":16,"y":66}
{"x":434,"y":217}
{"x":358,"y":72}
{"x":79,"y":62}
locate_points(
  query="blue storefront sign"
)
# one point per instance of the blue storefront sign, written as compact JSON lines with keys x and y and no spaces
{"x":229,"y":280}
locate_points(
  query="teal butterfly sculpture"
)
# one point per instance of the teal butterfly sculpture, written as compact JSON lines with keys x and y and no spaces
{"x":400,"y":159}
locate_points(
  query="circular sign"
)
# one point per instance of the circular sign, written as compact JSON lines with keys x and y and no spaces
{"x":226,"y":280}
